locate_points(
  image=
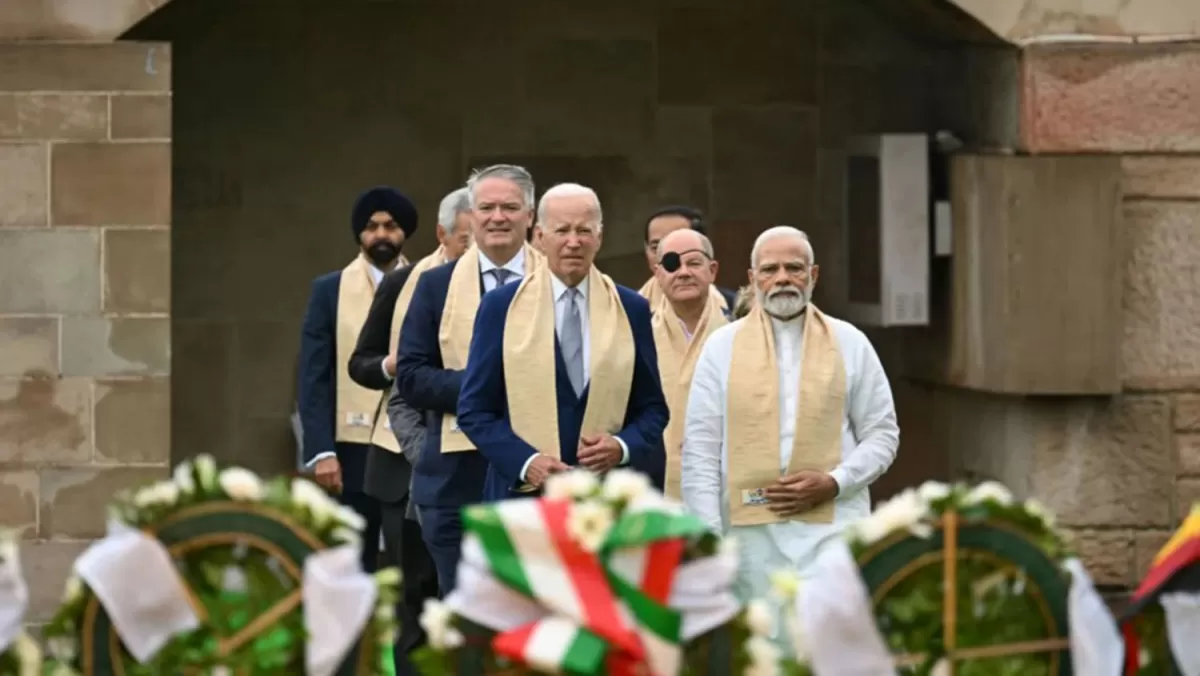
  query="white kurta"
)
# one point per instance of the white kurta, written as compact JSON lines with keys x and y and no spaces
{"x":870,"y":437}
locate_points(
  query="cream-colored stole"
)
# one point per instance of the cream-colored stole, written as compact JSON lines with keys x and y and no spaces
{"x":356,"y":405}
{"x":654,"y":295}
{"x":753,"y":412}
{"x":383,"y":436}
{"x":529,"y":362}
{"x":677,"y":358}
{"x":458,"y":324}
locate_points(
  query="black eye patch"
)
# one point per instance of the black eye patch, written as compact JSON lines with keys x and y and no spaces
{"x":671,"y":261}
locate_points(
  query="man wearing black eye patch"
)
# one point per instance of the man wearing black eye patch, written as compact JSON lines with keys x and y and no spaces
{"x":661,"y":223}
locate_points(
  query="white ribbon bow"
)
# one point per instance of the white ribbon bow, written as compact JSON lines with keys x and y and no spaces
{"x":1097,"y":648}
{"x":14,"y":595}
{"x":1182,"y":610}
{"x":339,"y":600}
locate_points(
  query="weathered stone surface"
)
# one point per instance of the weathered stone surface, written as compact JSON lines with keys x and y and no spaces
{"x":133,"y":421}
{"x":45,"y":421}
{"x":141,"y":116}
{"x":1161,"y":348}
{"x":1162,"y":176}
{"x":1187,"y":497}
{"x":738,"y":54}
{"x":72,"y":499}
{"x":1187,"y":450}
{"x":100,"y":346}
{"x":1187,"y":412}
{"x":1108,"y":97}
{"x":46,"y":566}
{"x":1108,"y":555}
{"x":1101,"y":462}
{"x":137,"y":270}
{"x":23,"y":192}
{"x":71,"y":19}
{"x":30,"y":345}
{"x":53,"y":116}
{"x":764,"y":164}
{"x":19,"y":501}
{"x":28,"y":284}
{"x":117,"y":66}
{"x":1146,"y":546}
{"x":111,"y":184}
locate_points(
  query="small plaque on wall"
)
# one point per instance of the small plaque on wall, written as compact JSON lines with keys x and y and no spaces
{"x":886,"y":207}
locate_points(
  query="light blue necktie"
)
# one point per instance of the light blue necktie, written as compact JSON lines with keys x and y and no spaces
{"x":571,"y":341}
{"x":501,"y":275}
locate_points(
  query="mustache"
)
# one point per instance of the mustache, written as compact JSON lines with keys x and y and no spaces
{"x":785,"y":291}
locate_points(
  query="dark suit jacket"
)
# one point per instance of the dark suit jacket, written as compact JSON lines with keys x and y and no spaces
{"x":317,"y":397}
{"x":729,"y":296}
{"x":441,"y":479}
{"x":387,"y":474}
{"x":483,"y":410}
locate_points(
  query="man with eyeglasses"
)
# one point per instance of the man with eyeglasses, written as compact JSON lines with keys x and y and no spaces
{"x":691,"y":312}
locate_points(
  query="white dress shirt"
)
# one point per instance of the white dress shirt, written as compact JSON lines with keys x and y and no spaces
{"x":870,"y":437}
{"x":559,"y":289}
{"x":515,"y":267}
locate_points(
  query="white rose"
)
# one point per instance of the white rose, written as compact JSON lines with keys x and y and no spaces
{"x":206,"y":471}
{"x":1036,"y":509}
{"x":62,"y":648}
{"x":625,"y":485}
{"x":941,"y":668}
{"x":183,"y":477}
{"x":989,"y":491}
{"x":932,"y":491}
{"x":436,"y":621}
{"x":764,"y":655}
{"x":312,"y":497}
{"x":73,"y":589}
{"x":906,"y":511}
{"x":241,"y":484}
{"x":350,"y":518}
{"x":785,"y":584}
{"x":576,"y":484}
{"x":759,"y":618}
{"x":589,"y":523}
{"x":163,"y":493}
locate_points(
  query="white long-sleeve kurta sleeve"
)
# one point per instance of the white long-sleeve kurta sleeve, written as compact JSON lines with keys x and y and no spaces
{"x":870,"y":437}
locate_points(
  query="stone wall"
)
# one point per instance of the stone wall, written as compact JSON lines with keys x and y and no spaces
{"x":85,"y":207}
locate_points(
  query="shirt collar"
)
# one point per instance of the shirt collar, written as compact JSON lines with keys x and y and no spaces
{"x":516,"y":265}
{"x":376,"y":273}
{"x":559,"y":288}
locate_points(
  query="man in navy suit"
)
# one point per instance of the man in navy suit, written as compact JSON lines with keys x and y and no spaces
{"x":515,"y":444}
{"x":336,"y":414}
{"x":449,"y":472}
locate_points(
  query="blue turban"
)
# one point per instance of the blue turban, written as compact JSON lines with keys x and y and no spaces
{"x":383,"y":198}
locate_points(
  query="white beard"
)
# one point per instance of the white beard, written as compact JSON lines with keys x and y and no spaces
{"x":783,"y":305}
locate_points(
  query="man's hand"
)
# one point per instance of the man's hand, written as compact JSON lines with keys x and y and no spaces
{"x":599,"y":453}
{"x":389,"y":364}
{"x":541,"y":468}
{"x":797,"y":493}
{"x":328,"y":473}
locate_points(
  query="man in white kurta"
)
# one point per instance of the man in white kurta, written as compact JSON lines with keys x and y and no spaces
{"x":789,"y":513}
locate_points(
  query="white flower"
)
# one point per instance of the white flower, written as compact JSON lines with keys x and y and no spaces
{"x":625,"y":485}
{"x":576,"y":484}
{"x":385,"y":612}
{"x":28,"y":654}
{"x":436,"y":621}
{"x":1036,"y":509}
{"x":163,"y":493}
{"x":764,"y":657}
{"x":221,"y":670}
{"x":941,"y":668}
{"x":241,"y":484}
{"x":759,"y":618}
{"x":62,"y":648}
{"x":183,"y":477}
{"x":589,"y":523}
{"x":932,"y":491}
{"x":347,"y":535}
{"x":312,"y":497}
{"x":206,"y":471}
{"x":906,"y":511}
{"x":350,"y":518}
{"x":389,"y":577}
{"x":989,"y":491}
{"x":73,"y":589}
{"x":785,"y":584}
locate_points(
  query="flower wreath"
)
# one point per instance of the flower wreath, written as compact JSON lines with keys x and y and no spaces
{"x":594,"y":578}
{"x":238,"y":544}
{"x":19,"y":654}
{"x":954,"y":579}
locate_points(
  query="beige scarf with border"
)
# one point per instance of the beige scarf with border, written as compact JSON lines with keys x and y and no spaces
{"x":753,"y":410}
{"x":529,"y":361}
{"x":654,"y":295}
{"x":458,"y":325}
{"x":356,"y":406}
{"x":677,"y":358}
{"x":383,"y":436}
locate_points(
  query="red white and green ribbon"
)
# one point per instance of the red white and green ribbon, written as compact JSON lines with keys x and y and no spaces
{"x":558,"y":607}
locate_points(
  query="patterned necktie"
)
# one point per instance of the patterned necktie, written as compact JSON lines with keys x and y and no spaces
{"x":571,"y":341}
{"x":501,"y":276}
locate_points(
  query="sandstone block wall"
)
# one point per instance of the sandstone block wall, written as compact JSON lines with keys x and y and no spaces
{"x":85,"y":210}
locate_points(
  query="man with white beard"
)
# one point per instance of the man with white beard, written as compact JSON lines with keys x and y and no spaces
{"x":789,"y":420}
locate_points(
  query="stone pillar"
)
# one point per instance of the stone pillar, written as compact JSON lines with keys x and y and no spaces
{"x":85,"y":208}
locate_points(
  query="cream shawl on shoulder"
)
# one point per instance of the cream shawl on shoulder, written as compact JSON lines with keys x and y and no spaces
{"x":753,"y":410}
{"x":458,"y":325}
{"x":356,"y":406}
{"x":677,"y":358}
{"x":529,"y":361}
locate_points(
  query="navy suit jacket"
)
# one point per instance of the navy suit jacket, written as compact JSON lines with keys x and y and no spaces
{"x":483,"y":408}
{"x":317,"y":397}
{"x":440,"y":479}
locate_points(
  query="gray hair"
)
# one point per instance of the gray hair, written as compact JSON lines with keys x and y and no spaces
{"x":510,"y":172}
{"x":570,"y":190}
{"x":776,"y":233}
{"x":453,"y":204}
